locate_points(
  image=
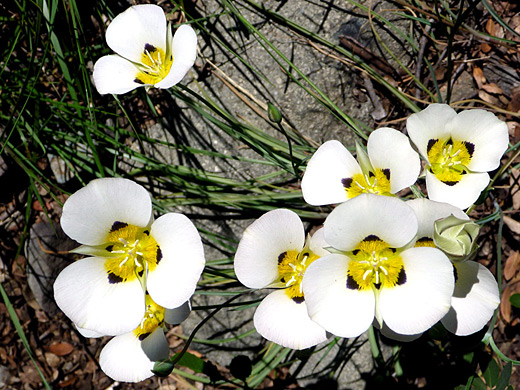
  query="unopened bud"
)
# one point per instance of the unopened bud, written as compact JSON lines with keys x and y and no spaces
{"x":456,"y":237}
{"x":273,"y":113}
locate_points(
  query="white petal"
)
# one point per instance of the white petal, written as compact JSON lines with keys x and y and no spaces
{"x":184,"y":50}
{"x":486,"y":132}
{"x":89,"y":213}
{"x":256,"y":258}
{"x":131,"y":30}
{"x":321,"y":182}
{"x":429,"y":211}
{"x":463,"y":194}
{"x":318,"y":243}
{"x":391,"y":149}
{"x":390,"y":219}
{"x":474,"y":300}
{"x":124,"y":358}
{"x":114,"y":74}
{"x":416,"y":305}
{"x":429,"y":124}
{"x":387,"y":332}
{"x":89,"y":333}
{"x":338,"y":309}
{"x":174,"y":279}
{"x":178,"y":314}
{"x":281,"y":320}
{"x":83,"y":292}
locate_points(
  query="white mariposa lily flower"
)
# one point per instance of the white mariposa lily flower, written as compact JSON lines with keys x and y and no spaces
{"x":377,"y":275}
{"x":459,"y":150}
{"x":333,"y":175}
{"x":130,"y":357}
{"x":476,"y":294}
{"x":131,"y":253}
{"x":273,"y":253}
{"x":147,"y":54}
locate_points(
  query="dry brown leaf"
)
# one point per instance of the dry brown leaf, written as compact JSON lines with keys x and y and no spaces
{"x":485,"y":48}
{"x":512,"y":265}
{"x":479,"y":77}
{"x":61,"y":349}
{"x":514,"y":104}
{"x":514,"y":182}
{"x":492,"y":88}
{"x":505,"y":305}
{"x":491,"y":27}
{"x":512,"y":224}
{"x":488,"y":97}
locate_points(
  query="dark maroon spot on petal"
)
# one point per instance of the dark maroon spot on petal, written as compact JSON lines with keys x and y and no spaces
{"x":282,"y":280}
{"x":401,"y":278}
{"x":377,"y":285}
{"x":430,"y":144}
{"x":355,"y":252}
{"x":146,"y":232}
{"x":372,"y":237}
{"x":143,"y":336}
{"x":118,"y":225}
{"x":351,"y":283}
{"x":114,"y":279}
{"x":449,"y":183}
{"x":109,"y":248}
{"x":347,"y":182}
{"x":386,"y":172}
{"x":136,"y":80}
{"x":298,"y":299}
{"x":371,"y":174}
{"x":281,"y":256}
{"x":159,"y":255}
{"x":149,"y":48}
{"x":470,"y":147}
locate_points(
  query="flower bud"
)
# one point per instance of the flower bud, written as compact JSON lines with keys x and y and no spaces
{"x":273,"y":113}
{"x":456,"y":237}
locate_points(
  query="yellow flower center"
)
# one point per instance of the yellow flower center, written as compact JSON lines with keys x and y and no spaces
{"x":449,"y":159}
{"x":131,"y":252}
{"x":374,"y":265}
{"x":154,"y":65}
{"x":153,"y":318}
{"x":377,"y":182}
{"x":291,"y":267}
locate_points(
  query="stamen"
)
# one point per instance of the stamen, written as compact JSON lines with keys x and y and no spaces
{"x":123,"y":241}
{"x":292,"y":280}
{"x":123,"y":262}
{"x":137,"y":264}
{"x":359,"y":185}
{"x":150,"y":57}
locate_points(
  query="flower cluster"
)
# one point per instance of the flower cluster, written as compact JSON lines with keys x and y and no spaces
{"x":139,"y":273}
{"x":379,"y":260}
{"x":400,"y":265}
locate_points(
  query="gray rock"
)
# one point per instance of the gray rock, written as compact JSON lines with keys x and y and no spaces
{"x":46,"y":253}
